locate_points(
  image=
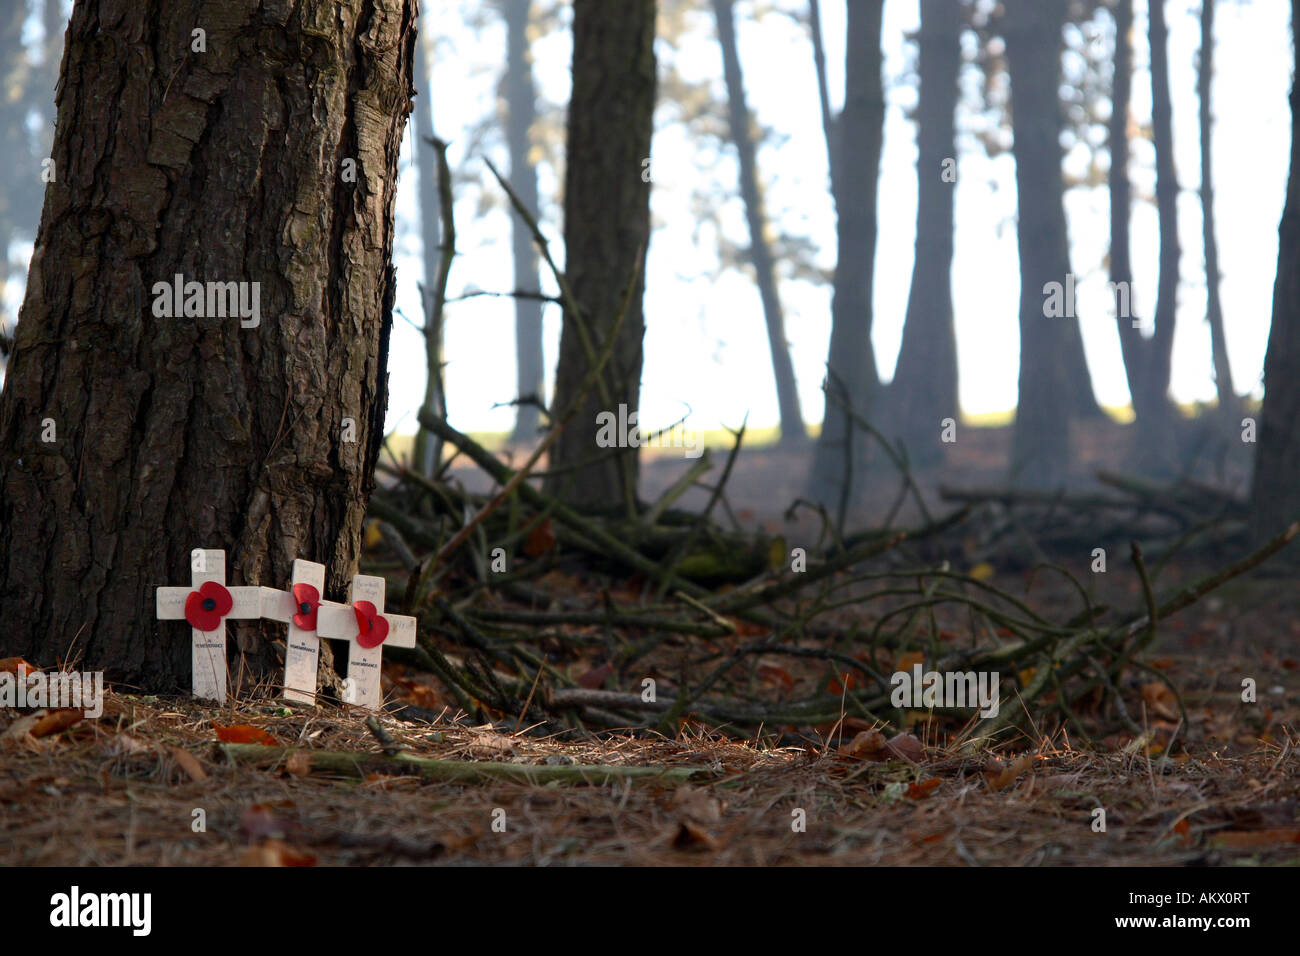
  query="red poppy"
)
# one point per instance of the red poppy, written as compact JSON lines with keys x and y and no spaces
{"x":205,"y":607}
{"x":372,"y":627}
{"x":306,"y":600}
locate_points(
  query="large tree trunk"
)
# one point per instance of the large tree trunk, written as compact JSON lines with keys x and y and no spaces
{"x":178,"y":433}
{"x":1213,"y":306}
{"x":521,"y":107}
{"x":839,"y":458}
{"x":606,"y":235}
{"x":1275,"y":494}
{"x":787,"y":393}
{"x":924,"y":389}
{"x":1041,"y":439}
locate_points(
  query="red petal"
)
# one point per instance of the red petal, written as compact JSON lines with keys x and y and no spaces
{"x":211,"y":589}
{"x":198,"y":617}
{"x":363,"y":618}
{"x":377,"y":633}
{"x":306,"y":593}
{"x":371,"y":626}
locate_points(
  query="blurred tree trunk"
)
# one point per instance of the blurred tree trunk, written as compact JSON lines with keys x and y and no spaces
{"x":181,"y":433}
{"x":428,"y":446}
{"x":839,"y":458}
{"x":1048,"y":393}
{"x":12,"y":144}
{"x":924,"y":389}
{"x":792,"y":426}
{"x":6,"y":331}
{"x":1132,"y":345}
{"x":606,"y":235}
{"x":1156,"y":449}
{"x":1166,"y":204}
{"x":521,"y":109}
{"x":1213,"y":305}
{"x":1275,"y":494}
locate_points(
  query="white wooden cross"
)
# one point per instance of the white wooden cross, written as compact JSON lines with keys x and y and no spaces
{"x":206,"y":604}
{"x":362,"y":622}
{"x":298,"y":607}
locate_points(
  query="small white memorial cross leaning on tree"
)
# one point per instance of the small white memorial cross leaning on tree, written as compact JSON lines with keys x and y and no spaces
{"x":298,"y":608}
{"x":362,"y":622}
{"x":205,"y":605}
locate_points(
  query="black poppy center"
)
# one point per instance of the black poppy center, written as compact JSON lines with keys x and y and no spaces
{"x":304,"y":608}
{"x":209,"y":604}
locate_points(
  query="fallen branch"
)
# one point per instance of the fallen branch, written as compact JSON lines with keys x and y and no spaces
{"x":468,"y":771}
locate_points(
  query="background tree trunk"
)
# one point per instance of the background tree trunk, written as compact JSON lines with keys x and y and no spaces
{"x":852,"y":379}
{"x":1156,"y":449}
{"x":521,"y":110}
{"x":924,"y":389}
{"x":1275,"y":493}
{"x":428,"y":446}
{"x":180,"y":433}
{"x":787,"y":393}
{"x":1132,"y":345}
{"x":606,"y":235}
{"x":1041,"y":438}
{"x":1213,"y":305}
{"x":1167,"y":206}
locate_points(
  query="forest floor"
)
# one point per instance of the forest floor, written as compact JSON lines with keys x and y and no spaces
{"x":148,"y":783}
{"x":1206,"y":779}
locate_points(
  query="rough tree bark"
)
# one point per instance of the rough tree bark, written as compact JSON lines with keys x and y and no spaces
{"x":226,"y":165}
{"x":606,"y":236}
{"x":760,"y":253}
{"x":1041,"y":438}
{"x":852,"y":379}
{"x":924,"y":388}
{"x":1275,"y":493}
{"x":521,"y":108}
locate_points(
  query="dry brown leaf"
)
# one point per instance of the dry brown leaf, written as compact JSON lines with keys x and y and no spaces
{"x":1258,"y":839}
{"x":276,"y":853}
{"x":697,"y":803}
{"x":690,"y":835}
{"x":594,"y":679}
{"x":1160,"y":699}
{"x":20,"y":729}
{"x":299,"y":763}
{"x":243,"y":734}
{"x":865,"y":744}
{"x":189,"y":763}
{"x":921,"y":790}
{"x":259,"y":821}
{"x":907,"y":747}
{"x":1000,"y":776}
{"x":910,"y":659}
{"x":15,"y":665}
{"x":128,"y":745}
{"x":540,"y":540}
{"x":55,"y":721}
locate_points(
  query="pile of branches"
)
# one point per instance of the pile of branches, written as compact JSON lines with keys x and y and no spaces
{"x":1016,"y":525}
{"x":500,"y":640}
{"x":717,"y":603}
